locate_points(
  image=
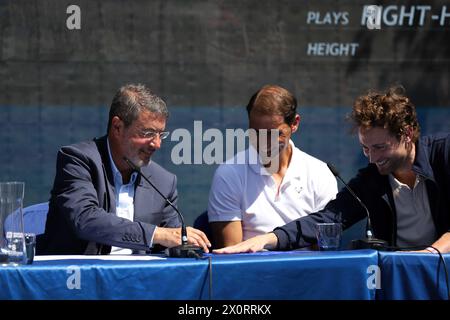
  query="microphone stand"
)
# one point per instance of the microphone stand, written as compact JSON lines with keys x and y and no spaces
{"x":184,"y":250}
{"x":369,"y":242}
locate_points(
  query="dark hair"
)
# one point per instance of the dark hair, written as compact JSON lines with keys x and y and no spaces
{"x":130,"y":100}
{"x":391,"y":110}
{"x":274,"y":100}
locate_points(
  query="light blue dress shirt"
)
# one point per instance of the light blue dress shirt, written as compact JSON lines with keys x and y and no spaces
{"x":124,"y":198}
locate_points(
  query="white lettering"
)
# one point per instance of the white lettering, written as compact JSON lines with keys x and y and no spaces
{"x":213,"y":153}
{"x":392,"y":21}
{"x":215,"y":147}
{"x":327,"y":18}
{"x":404,"y":14}
{"x":74,"y":280}
{"x":230,"y":134}
{"x":423,"y":10}
{"x":73,"y":22}
{"x":198,"y":144}
{"x":181,"y":152}
{"x":393,"y":15}
{"x":371,"y":17}
{"x":195,"y":310}
{"x":345,"y":19}
{"x":374,"y":280}
{"x":331,"y":49}
{"x":444,"y":15}
{"x":310,"y":17}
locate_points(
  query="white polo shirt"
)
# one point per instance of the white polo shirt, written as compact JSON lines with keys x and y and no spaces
{"x":239,"y":192}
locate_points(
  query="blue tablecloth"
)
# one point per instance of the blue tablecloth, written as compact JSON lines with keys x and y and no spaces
{"x":265,"y":275}
{"x":412,"y":276}
{"x":294,"y":275}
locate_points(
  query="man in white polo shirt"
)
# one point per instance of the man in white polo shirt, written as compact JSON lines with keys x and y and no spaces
{"x":249,"y":198}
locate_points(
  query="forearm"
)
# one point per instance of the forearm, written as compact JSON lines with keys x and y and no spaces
{"x":443,"y":243}
{"x":226,"y":233}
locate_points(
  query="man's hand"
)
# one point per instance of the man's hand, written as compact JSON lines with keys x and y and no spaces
{"x":442,"y":244}
{"x":427,"y":250}
{"x":258,"y":243}
{"x":171,"y":237}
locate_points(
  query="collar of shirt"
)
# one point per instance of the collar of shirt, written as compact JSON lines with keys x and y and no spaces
{"x":118,"y":182}
{"x":294,"y":170}
{"x":397,"y":185}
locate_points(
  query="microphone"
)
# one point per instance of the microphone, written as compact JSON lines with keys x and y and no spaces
{"x":184,"y":250}
{"x":370,"y":242}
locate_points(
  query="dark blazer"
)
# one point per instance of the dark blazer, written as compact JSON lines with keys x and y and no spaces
{"x":81,"y":217}
{"x":432,"y":161}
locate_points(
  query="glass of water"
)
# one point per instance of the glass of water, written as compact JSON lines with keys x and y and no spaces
{"x":12,"y":238}
{"x":328,"y":236}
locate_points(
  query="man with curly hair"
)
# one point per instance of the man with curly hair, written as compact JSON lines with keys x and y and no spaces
{"x":406,"y":185}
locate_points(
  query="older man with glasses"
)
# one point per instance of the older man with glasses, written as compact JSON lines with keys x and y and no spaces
{"x":99,"y":204}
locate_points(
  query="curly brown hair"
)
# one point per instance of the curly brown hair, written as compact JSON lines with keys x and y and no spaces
{"x":391,"y":110}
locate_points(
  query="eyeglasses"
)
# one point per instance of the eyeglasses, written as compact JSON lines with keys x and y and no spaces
{"x":151,"y":134}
